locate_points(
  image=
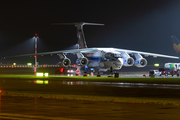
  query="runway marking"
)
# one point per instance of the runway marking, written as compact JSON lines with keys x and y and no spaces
{"x":31,"y":117}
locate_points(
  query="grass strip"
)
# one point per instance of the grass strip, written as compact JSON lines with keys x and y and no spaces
{"x":98,"y":79}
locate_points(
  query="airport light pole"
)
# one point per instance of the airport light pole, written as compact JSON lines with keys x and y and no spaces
{"x":35,"y":57}
{"x":35,"y":44}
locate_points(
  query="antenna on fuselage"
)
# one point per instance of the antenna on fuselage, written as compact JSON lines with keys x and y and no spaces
{"x":80,"y":33}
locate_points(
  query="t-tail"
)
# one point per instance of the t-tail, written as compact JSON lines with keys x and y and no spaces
{"x":80,"y":33}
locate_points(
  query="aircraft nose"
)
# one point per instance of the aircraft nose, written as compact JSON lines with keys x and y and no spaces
{"x":120,"y":63}
{"x":120,"y":60}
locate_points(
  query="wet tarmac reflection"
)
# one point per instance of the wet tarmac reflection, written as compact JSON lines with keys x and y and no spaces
{"x":111,"y":84}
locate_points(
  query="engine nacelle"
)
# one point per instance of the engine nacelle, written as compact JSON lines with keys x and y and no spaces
{"x":142,"y":62}
{"x":129,"y":61}
{"x":65,"y":62}
{"x":82,"y":61}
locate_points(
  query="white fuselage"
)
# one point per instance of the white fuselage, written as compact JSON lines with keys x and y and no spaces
{"x":105,"y":59}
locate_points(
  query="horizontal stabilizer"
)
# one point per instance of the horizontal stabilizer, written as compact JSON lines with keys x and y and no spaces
{"x":78,"y":23}
{"x":80,"y":34}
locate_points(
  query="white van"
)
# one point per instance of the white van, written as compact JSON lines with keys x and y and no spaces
{"x":154,"y":73}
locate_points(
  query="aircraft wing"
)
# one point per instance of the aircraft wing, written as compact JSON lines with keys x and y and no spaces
{"x":145,"y":53}
{"x":93,"y":50}
{"x":87,"y":50}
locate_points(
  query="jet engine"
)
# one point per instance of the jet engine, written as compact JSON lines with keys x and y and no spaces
{"x":65,"y":62}
{"x":129,"y":61}
{"x":142,"y":62}
{"x":82,"y":61}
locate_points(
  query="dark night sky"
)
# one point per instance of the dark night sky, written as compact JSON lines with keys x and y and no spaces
{"x":144,"y":25}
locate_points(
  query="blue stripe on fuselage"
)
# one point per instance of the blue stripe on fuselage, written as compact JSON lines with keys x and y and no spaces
{"x":96,"y":59}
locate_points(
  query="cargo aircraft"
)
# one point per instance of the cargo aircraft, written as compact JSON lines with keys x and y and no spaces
{"x":102,"y":59}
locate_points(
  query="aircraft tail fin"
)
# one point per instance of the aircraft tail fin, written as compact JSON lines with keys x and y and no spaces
{"x":176,"y":44}
{"x":80,"y":33}
{"x":175,"y":40}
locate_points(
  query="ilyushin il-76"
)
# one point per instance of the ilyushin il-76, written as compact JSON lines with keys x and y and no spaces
{"x":102,"y":59}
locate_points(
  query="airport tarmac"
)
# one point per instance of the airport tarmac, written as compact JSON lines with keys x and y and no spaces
{"x":61,"y":99}
{"x":22,"y":108}
{"x":49,"y":99}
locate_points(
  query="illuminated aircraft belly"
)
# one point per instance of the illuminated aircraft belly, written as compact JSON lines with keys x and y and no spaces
{"x":106,"y":63}
{"x":94,"y":61}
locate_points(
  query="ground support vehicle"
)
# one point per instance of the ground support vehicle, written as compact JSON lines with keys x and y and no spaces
{"x":153,"y":73}
{"x":169,"y":71}
{"x":68,"y":71}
